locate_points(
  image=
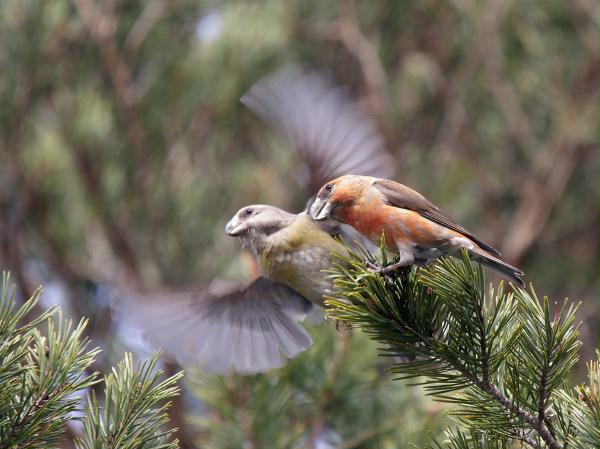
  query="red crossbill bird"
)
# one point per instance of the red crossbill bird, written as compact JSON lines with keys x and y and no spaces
{"x":248,"y":328}
{"x":413,"y":226}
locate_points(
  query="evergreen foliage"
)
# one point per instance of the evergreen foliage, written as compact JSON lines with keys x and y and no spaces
{"x":43,"y":376}
{"x":134,"y":413}
{"x":336,"y":395}
{"x":39,"y":375}
{"x":581,"y":406}
{"x":125,"y":150}
{"x":502,"y":358}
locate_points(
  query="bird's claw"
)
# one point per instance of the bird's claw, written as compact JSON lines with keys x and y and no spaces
{"x":372,"y":267}
{"x":341,"y":326}
{"x":377,"y":269}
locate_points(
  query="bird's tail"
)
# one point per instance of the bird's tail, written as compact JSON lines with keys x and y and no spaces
{"x":490,"y":261}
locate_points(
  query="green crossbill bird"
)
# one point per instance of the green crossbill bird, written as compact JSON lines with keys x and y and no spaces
{"x":415,"y":228}
{"x":290,"y":248}
{"x":248,"y":328}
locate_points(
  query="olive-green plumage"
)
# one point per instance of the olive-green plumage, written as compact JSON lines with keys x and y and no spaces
{"x":290,"y":249}
{"x":248,"y":329}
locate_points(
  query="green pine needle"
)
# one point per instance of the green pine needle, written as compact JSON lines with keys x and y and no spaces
{"x":501,"y":358}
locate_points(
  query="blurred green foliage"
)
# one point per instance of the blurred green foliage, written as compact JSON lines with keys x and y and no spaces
{"x":336,"y":394}
{"x":125,"y":150}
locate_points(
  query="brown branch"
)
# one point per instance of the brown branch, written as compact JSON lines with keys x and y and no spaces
{"x":22,"y":420}
{"x":454,"y":117}
{"x":539,"y":426}
{"x":153,"y":12}
{"x":101,"y":27}
{"x":585,"y":22}
{"x":486,"y":386}
{"x":10,"y":246}
{"x":490,"y":54}
{"x":552,"y":170}
{"x":362,"y":437}
{"x":347,"y":31}
{"x":117,"y":234}
{"x":513,"y":408}
{"x":539,"y":196}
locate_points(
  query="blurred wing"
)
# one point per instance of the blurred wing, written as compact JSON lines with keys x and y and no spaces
{"x":399,"y":195}
{"x":326,"y":127}
{"x":244,"y":330}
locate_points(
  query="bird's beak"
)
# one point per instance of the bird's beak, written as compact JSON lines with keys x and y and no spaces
{"x":320,"y":210}
{"x":235,"y":227}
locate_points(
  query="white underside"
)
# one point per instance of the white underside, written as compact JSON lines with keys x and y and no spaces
{"x":413,"y":253}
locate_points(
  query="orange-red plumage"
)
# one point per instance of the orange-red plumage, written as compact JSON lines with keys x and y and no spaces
{"x":413,"y":226}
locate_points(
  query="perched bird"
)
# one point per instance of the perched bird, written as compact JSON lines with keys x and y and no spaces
{"x":413,"y":226}
{"x":247,"y":328}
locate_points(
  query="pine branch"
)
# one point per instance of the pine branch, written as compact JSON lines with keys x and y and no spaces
{"x":472,"y":439}
{"x":579,"y":412}
{"x":501,"y":357}
{"x":40,"y":376}
{"x":134,"y":411}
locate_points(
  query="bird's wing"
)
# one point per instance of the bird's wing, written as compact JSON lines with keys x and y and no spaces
{"x":399,"y":195}
{"x":329,"y":130}
{"x":244,"y":330}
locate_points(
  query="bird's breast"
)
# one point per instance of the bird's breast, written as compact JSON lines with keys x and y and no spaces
{"x":298,"y":258}
{"x":372,"y":218}
{"x":369,"y":218}
{"x":302,"y":271}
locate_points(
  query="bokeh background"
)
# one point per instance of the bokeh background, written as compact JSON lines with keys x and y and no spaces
{"x":125,"y":150}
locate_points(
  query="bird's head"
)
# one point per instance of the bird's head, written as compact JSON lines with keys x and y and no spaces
{"x":336,"y":194}
{"x":257,"y":221}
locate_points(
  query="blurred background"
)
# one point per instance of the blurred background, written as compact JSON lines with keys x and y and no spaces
{"x":125,"y":150}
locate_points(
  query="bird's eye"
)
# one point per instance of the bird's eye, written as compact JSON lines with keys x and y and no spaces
{"x":329,"y":187}
{"x":248,"y":211}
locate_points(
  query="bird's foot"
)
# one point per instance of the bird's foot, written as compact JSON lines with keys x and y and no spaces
{"x":401,"y":268}
{"x":373,"y":267}
{"x":341,"y":326}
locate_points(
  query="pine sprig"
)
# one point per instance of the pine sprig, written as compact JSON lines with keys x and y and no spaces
{"x":472,"y":439}
{"x":500,"y":357}
{"x":579,"y":412}
{"x":134,"y":411}
{"x":41,"y":375}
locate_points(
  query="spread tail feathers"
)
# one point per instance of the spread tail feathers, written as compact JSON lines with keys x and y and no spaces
{"x":490,"y":261}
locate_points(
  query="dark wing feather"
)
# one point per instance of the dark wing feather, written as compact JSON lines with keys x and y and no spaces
{"x":245,"y":330}
{"x":330,"y":132}
{"x":399,"y":195}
